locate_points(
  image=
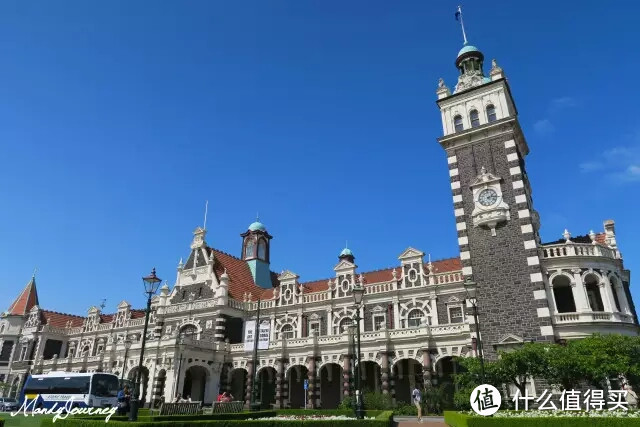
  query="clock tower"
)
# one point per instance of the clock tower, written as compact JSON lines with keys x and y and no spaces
{"x":495,"y":220}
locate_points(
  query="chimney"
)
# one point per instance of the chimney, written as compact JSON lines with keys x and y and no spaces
{"x":610,"y":233}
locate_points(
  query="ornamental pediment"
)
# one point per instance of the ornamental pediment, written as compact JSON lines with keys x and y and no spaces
{"x":287,"y":276}
{"x":344,"y":265}
{"x":410,"y":253}
{"x":484,"y":178}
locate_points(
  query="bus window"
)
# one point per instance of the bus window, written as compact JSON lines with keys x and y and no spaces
{"x":57,"y":385}
{"x":104,"y":385}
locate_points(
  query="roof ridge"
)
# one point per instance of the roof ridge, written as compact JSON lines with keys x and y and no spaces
{"x":227,"y":254}
{"x":64,"y":314}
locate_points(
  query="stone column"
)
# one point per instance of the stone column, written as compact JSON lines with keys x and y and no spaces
{"x":622,"y":298}
{"x":311,"y":376}
{"x":346,"y":375}
{"x":279,"y":383}
{"x":396,"y":314}
{"x":579,"y":292}
{"x":250,"y":376}
{"x":426,"y":368}
{"x":607,"y":296}
{"x":384,"y":372}
{"x":221,"y":323}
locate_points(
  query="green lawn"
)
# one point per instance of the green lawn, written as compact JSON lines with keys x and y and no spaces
{"x":21,"y":420}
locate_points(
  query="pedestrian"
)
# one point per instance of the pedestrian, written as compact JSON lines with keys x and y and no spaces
{"x":417,"y":400}
{"x":631,"y":396}
{"x":124,"y":397}
{"x":178,"y":398}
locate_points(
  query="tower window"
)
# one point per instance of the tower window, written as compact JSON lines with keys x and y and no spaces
{"x":475,"y":120}
{"x":491,"y":113}
{"x":457,"y":123}
{"x":250,"y":249}
{"x":262,"y":250}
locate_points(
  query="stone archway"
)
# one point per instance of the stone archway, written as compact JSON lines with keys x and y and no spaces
{"x":144,"y":383}
{"x":407,"y":374}
{"x":195,"y":383}
{"x":266,"y":387}
{"x":370,"y":377}
{"x":238,"y":383}
{"x":295,"y":378}
{"x":330,"y":386}
{"x":445,"y":370}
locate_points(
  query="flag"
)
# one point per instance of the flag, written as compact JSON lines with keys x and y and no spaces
{"x":458,"y":12}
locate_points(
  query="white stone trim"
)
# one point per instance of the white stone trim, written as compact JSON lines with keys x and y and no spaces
{"x":512,"y":157}
{"x":518,"y":184}
{"x":510,"y":143}
{"x":530,"y":244}
{"x":455,"y":185}
{"x":459,"y":212}
{"x":536,"y":277}
{"x":465,"y":255}
{"x":533,"y":260}
{"x":461,"y":226}
{"x":451,"y":160}
{"x":521,"y":198}
{"x":467,"y":271}
{"x":464,"y":240}
{"x":457,"y":198}
{"x":453,"y":172}
{"x":515,"y":170}
{"x":523,"y":213}
{"x":543,"y":312}
{"x":528,"y":228}
{"x":546,"y":330}
{"x":540,"y":294}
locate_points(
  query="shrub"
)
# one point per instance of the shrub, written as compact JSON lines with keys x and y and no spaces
{"x":459,"y":419}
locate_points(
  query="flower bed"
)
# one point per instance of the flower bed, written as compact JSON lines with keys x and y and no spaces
{"x":544,"y":418}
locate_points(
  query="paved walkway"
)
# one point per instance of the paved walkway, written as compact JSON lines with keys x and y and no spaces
{"x":413,"y":421}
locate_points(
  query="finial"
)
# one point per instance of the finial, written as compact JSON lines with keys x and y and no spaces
{"x":459,"y":18}
{"x":257,"y":216}
{"x":180,"y":264}
{"x":483,"y":170}
{"x":35,"y":270}
{"x":566,"y":235}
{"x":206,"y":208}
{"x":592,"y":236}
{"x":394,"y":273}
{"x":102,"y":304}
{"x":441,"y":82}
{"x":346,"y":244}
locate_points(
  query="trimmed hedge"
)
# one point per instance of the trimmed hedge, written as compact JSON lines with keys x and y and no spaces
{"x":457,"y":419}
{"x":383,"y":419}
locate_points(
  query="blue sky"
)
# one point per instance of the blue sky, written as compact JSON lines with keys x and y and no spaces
{"x":119,"y":119}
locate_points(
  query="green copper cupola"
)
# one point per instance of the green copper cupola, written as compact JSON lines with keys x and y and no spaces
{"x":255,"y":251}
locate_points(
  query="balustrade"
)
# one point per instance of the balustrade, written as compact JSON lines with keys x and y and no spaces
{"x":577,"y":249}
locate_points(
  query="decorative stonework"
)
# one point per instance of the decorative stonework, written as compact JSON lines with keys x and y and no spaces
{"x":490,"y":208}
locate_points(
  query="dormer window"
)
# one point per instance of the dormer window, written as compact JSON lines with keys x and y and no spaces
{"x":457,"y":123}
{"x":262,"y":250}
{"x":491,"y":113}
{"x":475,"y":120}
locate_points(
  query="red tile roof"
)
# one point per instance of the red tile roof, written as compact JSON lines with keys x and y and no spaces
{"x":240,"y":277}
{"x":59,"y":320}
{"x":386,"y":275}
{"x":27,"y":299}
{"x":601,"y":238}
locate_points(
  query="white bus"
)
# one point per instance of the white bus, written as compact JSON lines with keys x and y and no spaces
{"x":94,"y":389}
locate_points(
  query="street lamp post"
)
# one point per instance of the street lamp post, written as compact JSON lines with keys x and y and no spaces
{"x":253,"y":405}
{"x":151,"y":283}
{"x":358,"y":294}
{"x":181,"y":346}
{"x":470,"y":288}
{"x":127,"y":346}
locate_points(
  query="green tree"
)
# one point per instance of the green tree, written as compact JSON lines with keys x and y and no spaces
{"x":520,"y":365}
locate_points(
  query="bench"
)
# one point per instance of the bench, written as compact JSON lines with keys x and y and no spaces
{"x":180,"y":408}
{"x":225,"y":407}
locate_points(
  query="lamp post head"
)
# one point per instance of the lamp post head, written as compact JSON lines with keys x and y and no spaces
{"x":358,"y":294}
{"x":470,"y":288}
{"x":181,"y":344}
{"x":151,"y":282}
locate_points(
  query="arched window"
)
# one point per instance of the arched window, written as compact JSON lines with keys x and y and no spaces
{"x":287,"y":331}
{"x":250,"y":248}
{"x":491,"y":113}
{"x":188,"y":331}
{"x":457,"y":123}
{"x":414,"y":319}
{"x":262,"y":250}
{"x":475,"y":120}
{"x":344,"y":325}
{"x":614,"y":291}
{"x":563,"y":295}
{"x":591,"y":283}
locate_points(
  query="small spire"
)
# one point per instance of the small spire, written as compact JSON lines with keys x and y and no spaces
{"x":35,"y":270}
{"x":346,"y":244}
{"x":257,"y":216}
{"x":206,"y":208}
{"x":103,"y":304}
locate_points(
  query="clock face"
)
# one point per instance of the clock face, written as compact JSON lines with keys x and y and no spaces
{"x":487,"y":197}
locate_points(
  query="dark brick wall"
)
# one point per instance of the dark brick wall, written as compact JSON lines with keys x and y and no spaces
{"x":506,"y":301}
{"x":200,"y":291}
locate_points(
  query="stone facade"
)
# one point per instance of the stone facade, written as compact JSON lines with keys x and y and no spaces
{"x":416,"y":317}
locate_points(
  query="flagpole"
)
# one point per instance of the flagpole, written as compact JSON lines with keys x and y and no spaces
{"x":464,"y":35}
